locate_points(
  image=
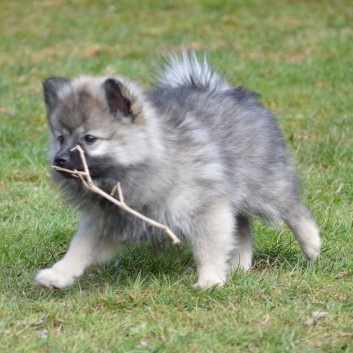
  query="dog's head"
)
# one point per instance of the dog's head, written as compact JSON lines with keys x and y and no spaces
{"x":109,"y":118}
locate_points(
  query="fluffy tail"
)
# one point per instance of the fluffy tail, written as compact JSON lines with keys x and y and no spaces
{"x":189,"y":71}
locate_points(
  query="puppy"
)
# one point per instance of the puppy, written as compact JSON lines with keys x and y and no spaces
{"x":193,"y":153}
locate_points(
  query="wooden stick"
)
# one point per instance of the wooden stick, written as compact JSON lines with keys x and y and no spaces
{"x":86,"y":179}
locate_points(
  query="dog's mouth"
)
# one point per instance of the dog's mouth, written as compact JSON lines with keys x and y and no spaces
{"x":70,"y":173}
{"x":69,"y":165}
{"x":67,"y":174}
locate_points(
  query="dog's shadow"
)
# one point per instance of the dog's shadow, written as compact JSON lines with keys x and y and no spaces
{"x":144,"y":265}
{"x":174,"y":264}
{"x":146,"y":262}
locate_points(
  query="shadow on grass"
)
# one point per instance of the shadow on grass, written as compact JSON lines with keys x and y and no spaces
{"x":166,"y":266}
{"x":148,"y":262}
{"x":175,"y":263}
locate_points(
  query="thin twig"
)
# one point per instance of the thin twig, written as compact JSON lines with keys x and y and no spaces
{"x":114,"y":190}
{"x":86,"y":179}
{"x":120,"y":192}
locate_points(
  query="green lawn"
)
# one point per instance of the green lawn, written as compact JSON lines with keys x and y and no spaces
{"x":299,"y":56}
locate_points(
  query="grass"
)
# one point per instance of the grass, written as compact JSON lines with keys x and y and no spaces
{"x":298,"y":55}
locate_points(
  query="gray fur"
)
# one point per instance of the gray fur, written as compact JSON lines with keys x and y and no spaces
{"x":193,"y":153}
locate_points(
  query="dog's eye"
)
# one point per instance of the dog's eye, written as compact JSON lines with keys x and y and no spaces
{"x":90,"y":139}
{"x":61,"y":139}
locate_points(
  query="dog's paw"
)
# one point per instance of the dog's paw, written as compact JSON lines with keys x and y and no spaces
{"x":54,"y":278}
{"x":209,"y":283}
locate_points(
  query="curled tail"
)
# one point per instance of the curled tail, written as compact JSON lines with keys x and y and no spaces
{"x":188,"y":70}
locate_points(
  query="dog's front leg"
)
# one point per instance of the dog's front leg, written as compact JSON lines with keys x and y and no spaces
{"x":212,"y":244}
{"x":86,"y":248}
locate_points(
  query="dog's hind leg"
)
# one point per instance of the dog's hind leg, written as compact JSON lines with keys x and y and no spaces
{"x":241,"y":257}
{"x":299,"y":219}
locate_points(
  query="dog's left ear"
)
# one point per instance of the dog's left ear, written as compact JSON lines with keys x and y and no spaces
{"x":117,"y":102}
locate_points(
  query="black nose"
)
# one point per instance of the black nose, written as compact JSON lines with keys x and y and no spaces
{"x":61,"y":159}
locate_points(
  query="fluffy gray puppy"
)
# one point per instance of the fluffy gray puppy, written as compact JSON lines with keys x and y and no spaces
{"x":193,"y":153}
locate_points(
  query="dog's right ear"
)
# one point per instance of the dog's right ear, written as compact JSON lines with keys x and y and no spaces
{"x":51,"y":87}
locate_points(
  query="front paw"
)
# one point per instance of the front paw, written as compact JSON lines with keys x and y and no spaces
{"x":54,"y":278}
{"x":208,"y":283}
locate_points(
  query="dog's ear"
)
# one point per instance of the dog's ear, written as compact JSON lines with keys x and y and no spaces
{"x":51,"y":87}
{"x":115,"y":98}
